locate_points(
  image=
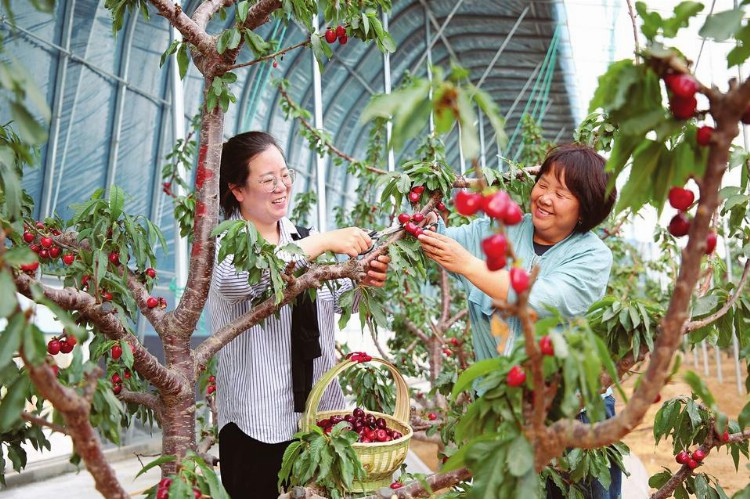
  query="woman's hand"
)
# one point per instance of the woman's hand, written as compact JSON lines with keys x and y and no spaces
{"x":446,"y":251}
{"x":350,"y":241}
{"x":376,"y":272}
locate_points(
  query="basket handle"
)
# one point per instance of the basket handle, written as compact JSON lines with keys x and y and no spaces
{"x":401,"y":411}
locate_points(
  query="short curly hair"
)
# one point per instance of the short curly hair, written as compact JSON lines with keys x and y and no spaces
{"x":585,"y":178}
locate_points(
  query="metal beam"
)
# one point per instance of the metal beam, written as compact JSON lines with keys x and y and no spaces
{"x":48,"y":178}
{"x":320,"y":163}
{"x":502,"y":47}
{"x":439,"y":32}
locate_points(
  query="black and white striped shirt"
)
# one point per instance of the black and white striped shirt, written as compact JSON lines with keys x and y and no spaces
{"x":254,"y":377}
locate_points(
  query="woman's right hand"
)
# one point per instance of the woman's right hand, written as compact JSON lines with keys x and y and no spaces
{"x":349,"y":241}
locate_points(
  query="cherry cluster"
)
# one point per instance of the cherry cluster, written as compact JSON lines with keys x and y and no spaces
{"x":681,"y":199}
{"x":211,"y":387}
{"x":368,"y":427}
{"x":64,"y":344}
{"x":162,"y":489}
{"x":339,"y":34}
{"x":410,"y":223}
{"x":117,"y":381}
{"x":691,"y":459}
{"x":41,"y":242}
{"x":682,"y":102}
{"x":358,"y":357}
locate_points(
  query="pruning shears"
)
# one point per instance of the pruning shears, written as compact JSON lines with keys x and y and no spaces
{"x":378,"y":235}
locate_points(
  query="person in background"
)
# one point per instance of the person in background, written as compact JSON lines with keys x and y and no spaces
{"x":265,"y":374}
{"x":568,"y":200}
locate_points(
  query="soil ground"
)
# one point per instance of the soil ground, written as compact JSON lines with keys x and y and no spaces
{"x":641,"y":440}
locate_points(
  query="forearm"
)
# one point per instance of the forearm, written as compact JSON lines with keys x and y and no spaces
{"x":495,"y":284}
{"x":313,"y":245}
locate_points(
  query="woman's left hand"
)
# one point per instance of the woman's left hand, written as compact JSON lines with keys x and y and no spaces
{"x":376,"y":272}
{"x":446,"y":251}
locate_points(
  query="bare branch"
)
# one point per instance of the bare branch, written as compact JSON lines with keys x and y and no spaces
{"x":271,"y":56}
{"x":192,"y":32}
{"x":150,"y":400}
{"x":459,"y":315}
{"x":697,"y":324}
{"x":631,"y":13}
{"x":414,"y":329}
{"x":39,"y":421}
{"x":475,"y":183}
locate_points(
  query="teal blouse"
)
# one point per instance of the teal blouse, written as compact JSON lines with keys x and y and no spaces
{"x":573,"y":275}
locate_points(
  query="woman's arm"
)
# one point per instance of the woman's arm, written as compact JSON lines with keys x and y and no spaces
{"x":453,"y":257}
{"x":349,"y":241}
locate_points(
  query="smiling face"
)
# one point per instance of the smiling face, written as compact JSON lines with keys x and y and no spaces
{"x":555,"y":211}
{"x":261,"y":207}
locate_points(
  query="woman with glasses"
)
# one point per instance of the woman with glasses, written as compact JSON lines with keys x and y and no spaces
{"x":265,"y":374}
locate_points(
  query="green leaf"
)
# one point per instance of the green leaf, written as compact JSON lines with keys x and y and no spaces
{"x":10,"y":338}
{"x":522,"y":456}
{"x":743,"y":419}
{"x":699,"y":387}
{"x":183,"y":61}
{"x":242,"y":9}
{"x":637,"y":191}
{"x":34,"y":347}
{"x":12,"y":403}
{"x":8,"y":300}
{"x":29,"y":130}
{"x":722,"y":25}
{"x":476,"y":370}
{"x":156,"y":462}
{"x":116,"y":202}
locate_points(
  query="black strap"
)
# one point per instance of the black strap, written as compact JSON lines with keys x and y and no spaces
{"x":305,"y":340}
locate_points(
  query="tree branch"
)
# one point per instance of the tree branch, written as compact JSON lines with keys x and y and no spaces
{"x":459,"y":315}
{"x":270,"y":56}
{"x":192,"y":31}
{"x":150,"y":400}
{"x":39,"y":421}
{"x":697,"y":324}
{"x":434,"y":482}
{"x":445,"y":295}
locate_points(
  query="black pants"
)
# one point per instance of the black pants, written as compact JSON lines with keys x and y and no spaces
{"x":249,"y":468}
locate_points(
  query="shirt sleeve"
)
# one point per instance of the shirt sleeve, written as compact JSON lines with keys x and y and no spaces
{"x":574,"y":285}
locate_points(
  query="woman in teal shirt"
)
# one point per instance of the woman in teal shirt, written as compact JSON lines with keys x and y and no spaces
{"x":569,"y":198}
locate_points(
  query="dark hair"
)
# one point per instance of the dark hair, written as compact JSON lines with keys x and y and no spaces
{"x":585,"y":178}
{"x":236,"y":154}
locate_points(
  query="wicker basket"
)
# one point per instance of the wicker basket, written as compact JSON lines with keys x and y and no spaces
{"x":379,"y":459}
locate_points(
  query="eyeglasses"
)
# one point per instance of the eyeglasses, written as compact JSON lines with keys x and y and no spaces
{"x":270,"y":183}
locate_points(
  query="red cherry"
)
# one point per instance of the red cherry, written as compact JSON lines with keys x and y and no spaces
{"x":447,"y":352}
{"x":496,"y":204}
{"x":44,"y":254}
{"x":546,"y":346}
{"x":127,"y":374}
{"x":28,"y":237}
{"x":30,"y":267}
{"x":340,"y":31}
{"x":682,"y":457}
{"x":380,"y":435}
{"x":410,"y":227}
{"x":54,"y":252}
{"x":106,"y":296}
{"x":495,"y":246}
{"x":275,"y":64}
{"x":692,"y":463}
{"x":710,"y":242}
{"x":396,"y":485}
{"x":441,"y":206}
{"x":454,"y":342}
{"x":55,"y":370}
{"x":513,"y":214}
{"x":166,"y":187}
{"x":496,"y":263}
{"x":53,"y":346}
{"x":403,"y":218}
{"x":432,"y":416}
{"x":212,"y":379}
{"x":210,"y":389}
{"x":117,"y":389}
{"x":40,"y":225}
{"x":65,"y":347}
{"x":151,"y":272}
{"x":70,"y":338}
{"x":468,"y":203}
{"x":725,"y":436}
{"x":657,"y":399}
{"x":681,"y":85}
{"x":68,"y":258}
{"x":116,"y":379}
{"x":114,"y":257}
{"x":680,"y":198}
{"x":85,"y":280}
{"x":699,"y":455}
{"x":116,"y":352}
{"x":330,"y":35}
{"x":46,"y":242}
{"x":418,"y":232}
{"x":519,"y":279}
{"x":419,"y":189}
{"x":417,"y":217}
{"x":164,"y":483}
{"x":343,"y":39}
{"x":703,"y":135}
{"x":414,"y":197}
{"x":197,"y":493}
{"x":152,"y":302}
{"x":679,"y":225}
{"x":682,"y":108}
{"x":35,"y":248}
{"x":516,"y":376}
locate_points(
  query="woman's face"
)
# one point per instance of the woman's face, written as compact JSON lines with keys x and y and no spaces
{"x":554,"y":209}
{"x":257,"y":204}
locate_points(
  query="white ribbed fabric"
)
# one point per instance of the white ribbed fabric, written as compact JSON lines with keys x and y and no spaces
{"x":254,"y":377}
